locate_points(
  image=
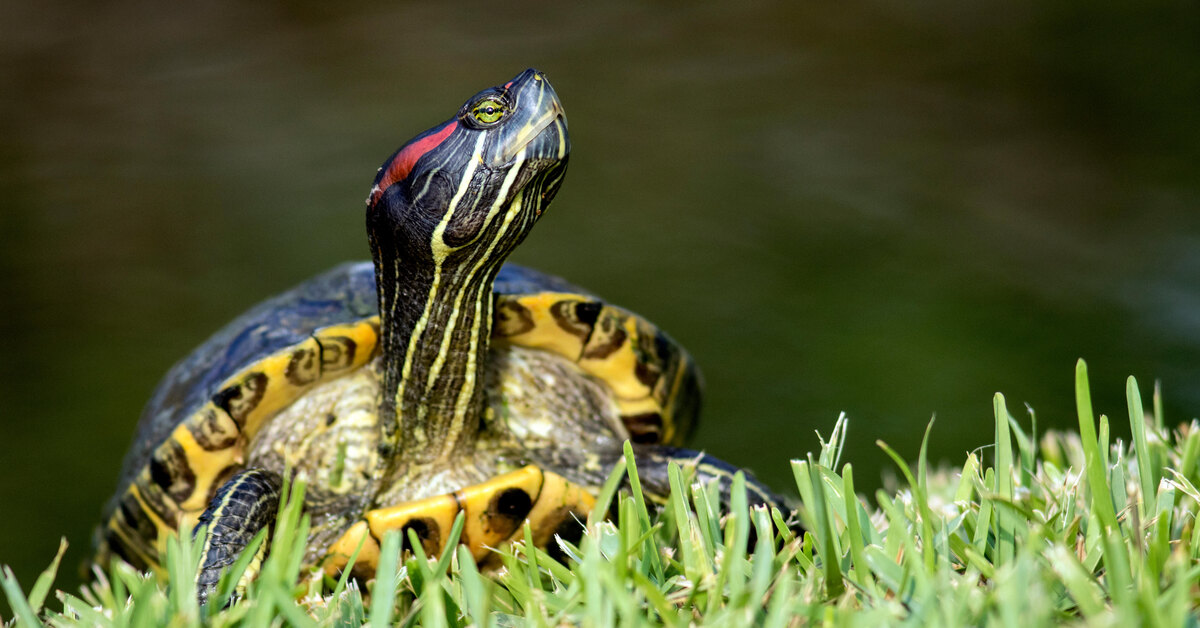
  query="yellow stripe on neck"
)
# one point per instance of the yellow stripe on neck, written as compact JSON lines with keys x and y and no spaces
{"x":439,"y":251}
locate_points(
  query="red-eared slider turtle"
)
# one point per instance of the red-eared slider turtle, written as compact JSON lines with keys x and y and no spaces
{"x":436,"y":379}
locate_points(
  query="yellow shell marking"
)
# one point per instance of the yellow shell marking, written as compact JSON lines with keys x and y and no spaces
{"x":615,"y":366}
{"x":495,"y":513}
{"x":342,"y":549}
{"x":183,"y":471}
{"x":279,"y":389}
{"x":545,"y":333}
{"x":140,"y":547}
{"x":206,"y":465}
{"x":606,"y":349}
{"x":673,"y":395}
{"x":487,"y":524}
{"x":436,"y":514}
{"x":339,"y":356}
{"x":610,"y":348}
{"x":560,"y":500}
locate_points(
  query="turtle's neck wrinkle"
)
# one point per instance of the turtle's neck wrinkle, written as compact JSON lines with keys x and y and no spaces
{"x":435,"y":324}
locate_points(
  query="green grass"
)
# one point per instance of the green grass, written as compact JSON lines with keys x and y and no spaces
{"x":1044,"y":529}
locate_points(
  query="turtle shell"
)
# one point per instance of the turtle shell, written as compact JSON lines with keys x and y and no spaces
{"x":332,"y":320}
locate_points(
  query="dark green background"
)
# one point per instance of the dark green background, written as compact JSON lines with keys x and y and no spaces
{"x":890,"y":209}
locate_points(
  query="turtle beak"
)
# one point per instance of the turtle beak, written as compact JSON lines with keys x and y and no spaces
{"x":543,"y":127}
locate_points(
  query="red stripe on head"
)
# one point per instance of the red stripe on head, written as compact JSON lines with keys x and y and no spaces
{"x":404,"y":161}
{"x":508,"y":85}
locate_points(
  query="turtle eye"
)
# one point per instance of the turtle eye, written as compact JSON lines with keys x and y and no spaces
{"x":488,"y":111}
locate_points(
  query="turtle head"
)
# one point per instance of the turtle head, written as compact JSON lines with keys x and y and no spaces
{"x":472,"y":187}
{"x":445,"y":212}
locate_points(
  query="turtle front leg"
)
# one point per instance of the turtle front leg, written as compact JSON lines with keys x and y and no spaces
{"x":245,"y":504}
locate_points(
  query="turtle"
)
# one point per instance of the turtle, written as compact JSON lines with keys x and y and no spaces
{"x":434,"y":379}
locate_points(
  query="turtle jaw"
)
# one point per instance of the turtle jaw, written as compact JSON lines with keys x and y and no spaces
{"x":544,"y":138}
{"x":539,"y":126}
{"x":539,"y":143}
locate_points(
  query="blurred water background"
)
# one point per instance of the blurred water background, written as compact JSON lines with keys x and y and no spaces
{"x":888,"y":209}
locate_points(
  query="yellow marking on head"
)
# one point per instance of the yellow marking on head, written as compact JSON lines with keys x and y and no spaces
{"x":440,"y":249}
{"x":562,"y":138}
{"x":396,"y":303}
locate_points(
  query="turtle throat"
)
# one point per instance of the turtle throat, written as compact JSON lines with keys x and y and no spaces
{"x":435,"y":324}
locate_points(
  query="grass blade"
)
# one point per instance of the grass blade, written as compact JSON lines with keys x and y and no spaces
{"x":383,"y":595}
